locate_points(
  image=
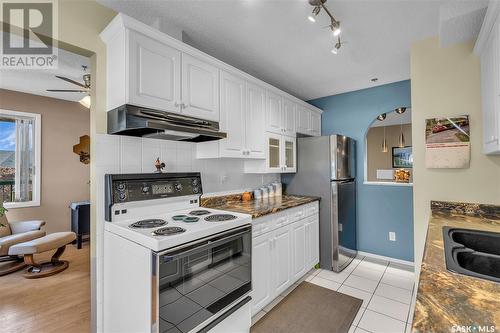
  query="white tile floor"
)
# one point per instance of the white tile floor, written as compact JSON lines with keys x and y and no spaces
{"x":386,"y":289}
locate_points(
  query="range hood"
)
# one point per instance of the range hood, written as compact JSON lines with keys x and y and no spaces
{"x":134,"y":120}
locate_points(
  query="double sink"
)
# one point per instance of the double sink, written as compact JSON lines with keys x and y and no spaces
{"x":472,"y":252}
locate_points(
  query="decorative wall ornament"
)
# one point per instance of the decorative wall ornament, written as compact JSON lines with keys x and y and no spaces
{"x":447,"y":142}
{"x":159,"y":165}
{"x":83,"y":149}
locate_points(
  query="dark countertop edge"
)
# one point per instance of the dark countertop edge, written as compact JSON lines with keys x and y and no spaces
{"x":487,"y":211}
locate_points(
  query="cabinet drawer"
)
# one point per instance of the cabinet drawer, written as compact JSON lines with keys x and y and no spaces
{"x":312,"y":209}
{"x":262,"y":225}
{"x":281,"y":220}
{"x":297,"y":214}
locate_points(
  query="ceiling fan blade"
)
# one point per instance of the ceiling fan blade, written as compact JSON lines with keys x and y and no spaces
{"x":67,"y":90}
{"x":71,"y":81}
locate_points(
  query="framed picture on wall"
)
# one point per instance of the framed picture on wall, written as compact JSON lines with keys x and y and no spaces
{"x":402,"y":157}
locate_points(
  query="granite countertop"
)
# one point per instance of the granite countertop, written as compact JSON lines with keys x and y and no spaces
{"x":446,"y":300}
{"x":256,"y":208}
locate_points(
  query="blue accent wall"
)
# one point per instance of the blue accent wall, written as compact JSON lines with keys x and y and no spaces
{"x":380,"y":208}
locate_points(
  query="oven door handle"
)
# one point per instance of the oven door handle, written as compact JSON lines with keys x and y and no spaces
{"x":173,"y":254}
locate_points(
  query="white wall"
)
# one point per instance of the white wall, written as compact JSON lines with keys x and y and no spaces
{"x":138,"y":155}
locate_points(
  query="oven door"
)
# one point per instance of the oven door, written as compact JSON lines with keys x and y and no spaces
{"x":196,"y":282}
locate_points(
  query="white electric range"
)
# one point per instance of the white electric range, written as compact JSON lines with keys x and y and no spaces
{"x":170,"y":265}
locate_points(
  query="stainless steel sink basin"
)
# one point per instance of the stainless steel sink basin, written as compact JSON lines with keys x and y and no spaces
{"x":472,"y":252}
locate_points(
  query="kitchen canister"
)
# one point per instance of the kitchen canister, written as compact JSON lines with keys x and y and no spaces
{"x":270,"y":189}
{"x":257,"y":194}
{"x":278,"y":189}
{"x":265,"y":192}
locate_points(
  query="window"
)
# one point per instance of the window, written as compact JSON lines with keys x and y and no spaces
{"x":20,"y":139}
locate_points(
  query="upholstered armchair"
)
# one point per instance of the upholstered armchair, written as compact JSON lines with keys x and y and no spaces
{"x":12,"y":233}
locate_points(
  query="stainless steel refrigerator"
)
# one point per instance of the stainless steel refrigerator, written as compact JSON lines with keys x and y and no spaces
{"x":326,"y":167}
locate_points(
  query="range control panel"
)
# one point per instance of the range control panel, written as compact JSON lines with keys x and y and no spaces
{"x":138,"y":190}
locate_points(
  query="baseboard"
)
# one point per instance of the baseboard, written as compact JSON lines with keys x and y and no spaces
{"x":394,"y":260}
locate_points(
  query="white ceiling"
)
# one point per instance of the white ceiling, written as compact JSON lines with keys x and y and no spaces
{"x":37,"y":81}
{"x":274,"y":41}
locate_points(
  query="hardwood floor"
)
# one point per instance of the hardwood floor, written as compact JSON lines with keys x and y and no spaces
{"x":59,"y":303}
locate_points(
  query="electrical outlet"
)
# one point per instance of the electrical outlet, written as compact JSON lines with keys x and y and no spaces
{"x":392,"y":236}
{"x":223,"y":179}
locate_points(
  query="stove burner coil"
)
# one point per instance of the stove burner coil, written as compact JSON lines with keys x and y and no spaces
{"x":168,"y":231}
{"x":199,"y":212}
{"x":191,"y":219}
{"x":220,"y":217}
{"x":150,"y":223}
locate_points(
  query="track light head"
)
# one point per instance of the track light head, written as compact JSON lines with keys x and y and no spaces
{"x":381,"y":117}
{"x":335,"y":26}
{"x":400,"y":110}
{"x":314,"y":13}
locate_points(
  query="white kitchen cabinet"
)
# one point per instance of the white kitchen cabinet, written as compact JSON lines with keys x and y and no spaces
{"x":311,"y":227}
{"x":315,"y":123}
{"x":288,"y":117}
{"x":232,"y":117}
{"x":274,"y":158}
{"x":488,"y":48}
{"x":308,"y":121}
{"x":274,"y":113}
{"x":200,"y":88}
{"x":280,"y":114}
{"x":289,"y":154}
{"x":262,"y":267}
{"x":255,"y":121}
{"x":282,"y":259}
{"x":299,"y":250}
{"x":303,"y":116}
{"x":242,"y":118}
{"x":490,"y":89}
{"x":148,"y":68}
{"x":285,"y":246}
{"x":280,"y":156}
{"x":154,"y":70}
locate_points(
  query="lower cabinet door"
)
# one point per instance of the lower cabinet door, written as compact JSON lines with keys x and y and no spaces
{"x":298,"y":249}
{"x":262,"y":267}
{"x":282,"y":259}
{"x":312,"y":241}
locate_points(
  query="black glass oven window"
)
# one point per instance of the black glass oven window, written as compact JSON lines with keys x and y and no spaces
{"x":195,"y":286}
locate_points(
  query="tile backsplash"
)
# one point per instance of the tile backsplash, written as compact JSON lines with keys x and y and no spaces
{"x":136,"y":155}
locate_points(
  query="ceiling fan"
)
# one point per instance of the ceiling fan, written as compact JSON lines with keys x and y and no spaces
{"x":85,"y":87}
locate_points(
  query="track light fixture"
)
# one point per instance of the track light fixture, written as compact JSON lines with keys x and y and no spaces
{"x":334,"y":24}
{"x":381,"y":117}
